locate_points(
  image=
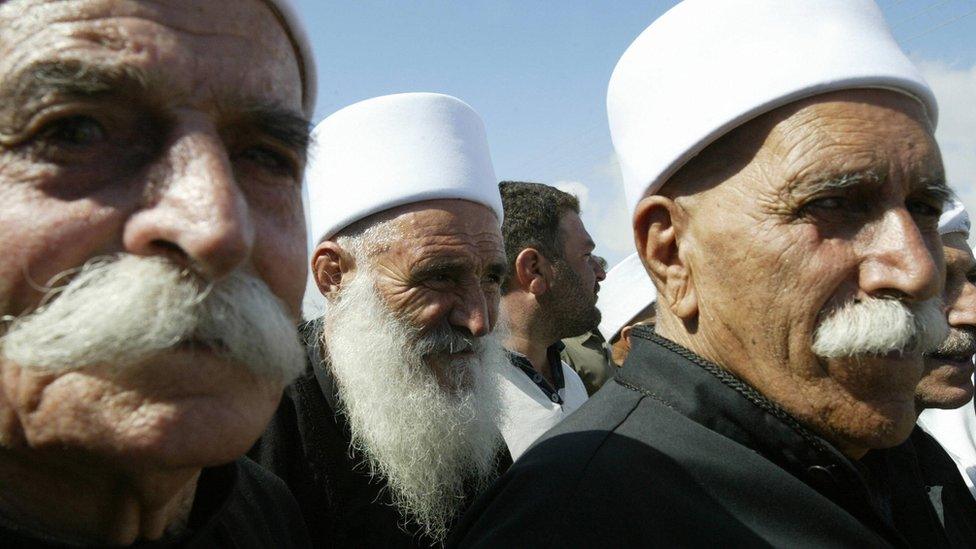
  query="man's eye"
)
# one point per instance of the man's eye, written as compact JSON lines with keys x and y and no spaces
{"x":274,"y":162}
{"x":827,"y":203}
{"x":918,"y":207}
{"x":74,"y":131}
{"x":493,"y":279}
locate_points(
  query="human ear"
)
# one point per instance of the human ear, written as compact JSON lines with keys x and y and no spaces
{"x":658,"y":231}
{"x":529,"y":272}
{"x":330,"y":264}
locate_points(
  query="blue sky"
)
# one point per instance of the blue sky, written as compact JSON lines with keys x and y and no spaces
{"x":537,"y":71}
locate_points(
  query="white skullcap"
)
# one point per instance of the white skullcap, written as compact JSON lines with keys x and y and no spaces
{"x":707,"y":66}
{"x":955,"y":219}
{"x":625,"y":292}
{"x":393,"y":150}
{"x":290,"y":20}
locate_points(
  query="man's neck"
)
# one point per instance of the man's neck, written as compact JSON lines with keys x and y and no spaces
{"x":77,"y":502}
{"x":535,"y":350}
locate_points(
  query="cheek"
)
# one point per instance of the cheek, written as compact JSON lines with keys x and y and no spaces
{"x":42,"y":237}
{"x":281,"y":259}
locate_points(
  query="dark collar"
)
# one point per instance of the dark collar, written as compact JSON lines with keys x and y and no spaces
{"x":521,"y":362}
{"x":713,"y":397}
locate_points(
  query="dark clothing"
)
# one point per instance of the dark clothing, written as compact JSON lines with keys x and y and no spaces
{"x":307,"y":444}
{"x":951,"y":499}
{"x":589,"y":357}
{"x":897,"y":473}
{"x":555,"y":370}
{"x":677,"y":452}
{"x":239,"y":505}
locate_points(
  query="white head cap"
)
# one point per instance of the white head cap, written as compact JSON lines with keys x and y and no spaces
{"x":707,"y":66}
{"x":393,"y":150}
{"x":955,"y":219}
{"x":290,"y":20}
{"x":625,"y":292}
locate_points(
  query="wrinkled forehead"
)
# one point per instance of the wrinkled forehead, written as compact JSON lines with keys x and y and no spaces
{"x":458,"y":228}
{"x":192,"y":52}
{"x":851,"y":130}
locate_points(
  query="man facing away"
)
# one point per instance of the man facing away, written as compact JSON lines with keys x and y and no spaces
{"x":786,"y":190}
{"x":550,"y":294}
{"x":152,"y":237}
{"x":391,"y":430}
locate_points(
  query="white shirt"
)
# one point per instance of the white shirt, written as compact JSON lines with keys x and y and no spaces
{"x":529,"y":411}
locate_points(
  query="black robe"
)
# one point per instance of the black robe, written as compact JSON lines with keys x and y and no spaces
{"x":239,"y":505}
{"x":677,"y":452}
{"x":950,"y":497}
{"x":307,"y":444}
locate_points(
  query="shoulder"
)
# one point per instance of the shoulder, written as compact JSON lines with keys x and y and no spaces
{"x":263,"y":510}
{"x":626,"y":469}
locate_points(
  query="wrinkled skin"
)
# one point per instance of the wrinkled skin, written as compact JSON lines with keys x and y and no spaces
{"x":146,"y":141}
{"x":444,"y":266}
{"x":948,"y":382}
{"x":747,"y":258}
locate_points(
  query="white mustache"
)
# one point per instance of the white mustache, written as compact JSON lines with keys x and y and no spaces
{"x":123,"y":310}
{"x":873,"y":326}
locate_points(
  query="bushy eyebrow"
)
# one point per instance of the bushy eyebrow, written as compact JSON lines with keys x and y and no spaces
{"x":286,"y":126}
{"x":71,"y":78}
{"x":937,"y":190}
{"x":841,"y":182}
{"x":83,"y":80}
{"x":445,"y":266}
{"x":934,"y":189}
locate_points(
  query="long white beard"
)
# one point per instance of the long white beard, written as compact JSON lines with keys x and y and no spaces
{"x":873,"y":326}
{"x":121,"y":311}
{"x":432,"y":445}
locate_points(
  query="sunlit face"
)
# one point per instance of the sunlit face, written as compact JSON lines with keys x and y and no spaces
{"x":839,"y":201}
{"x":948,"y":379}
{"x":444,"y":268}
{"x":571,"y":300}
{"x":153,"y":129}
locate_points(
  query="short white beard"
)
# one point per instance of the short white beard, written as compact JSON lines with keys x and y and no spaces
{"x":873,"y":327}
{"x":123,"y":310}
{"x":433,"y":446}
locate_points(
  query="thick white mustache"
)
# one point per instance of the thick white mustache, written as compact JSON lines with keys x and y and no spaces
{"x":873,"y":326}
{"x":123,"y":310}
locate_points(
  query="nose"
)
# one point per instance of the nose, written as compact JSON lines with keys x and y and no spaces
{"x":195,"y":214}
{"x":599,"y":270}
{"x":471,"y":313}
{"x":962,"y":311}
{"x":899,"y":261}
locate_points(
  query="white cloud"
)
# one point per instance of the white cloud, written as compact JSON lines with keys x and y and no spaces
{"x":576,"y":188}
{"x":955,"y":89}
{"x":604,"y":210}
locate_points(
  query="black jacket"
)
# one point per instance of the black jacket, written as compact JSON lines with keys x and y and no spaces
{"x":676,"y":451}
{"x":307,"y":444}
{"x":238,"y":506}
{"x":951,"y":499}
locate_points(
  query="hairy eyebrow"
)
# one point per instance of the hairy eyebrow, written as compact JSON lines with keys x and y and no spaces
{"x":936,"y":189}
{"x":71,"y":78}
{"x":841,"y":182}
{"x":286,"y":126}
{"x":447,"y":266}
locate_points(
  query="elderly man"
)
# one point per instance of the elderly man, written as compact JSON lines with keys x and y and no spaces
{"x":786,"y":188}
{"x":550,"y":294}
{"x":391,"y":431}
{"x":153,"y":255}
